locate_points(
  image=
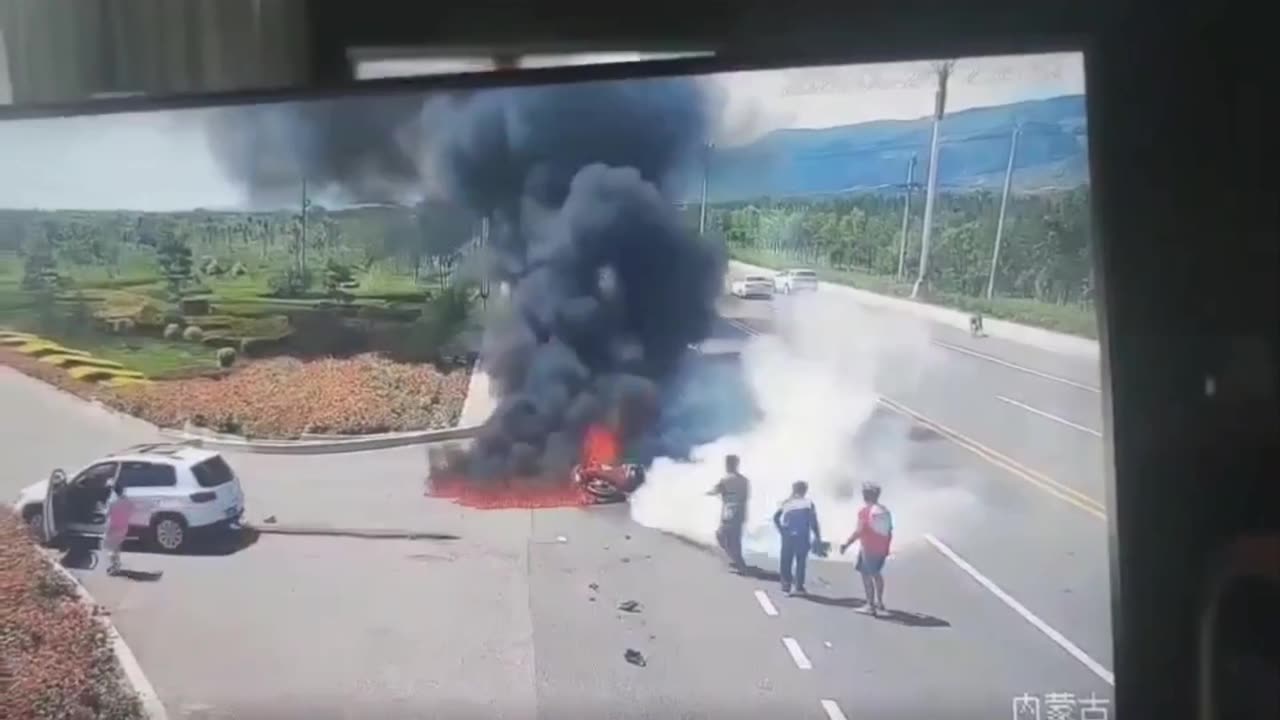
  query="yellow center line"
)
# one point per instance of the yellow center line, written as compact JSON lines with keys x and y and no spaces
{"x":995,"y":457}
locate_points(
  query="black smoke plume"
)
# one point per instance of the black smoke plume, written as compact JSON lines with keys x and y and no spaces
{"x":363,"y":149}
{"x":607,"y":289}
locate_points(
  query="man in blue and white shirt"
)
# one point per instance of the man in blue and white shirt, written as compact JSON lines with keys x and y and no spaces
{"x":797,"y":522}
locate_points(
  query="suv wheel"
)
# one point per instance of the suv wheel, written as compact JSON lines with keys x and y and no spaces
{"x":169,"y":533}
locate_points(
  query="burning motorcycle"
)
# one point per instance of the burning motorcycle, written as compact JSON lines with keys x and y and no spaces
{"x":600,"y":476}
{"x":608,"y":483}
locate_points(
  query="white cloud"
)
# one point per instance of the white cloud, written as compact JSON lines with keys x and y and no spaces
{"x":162,"y":160}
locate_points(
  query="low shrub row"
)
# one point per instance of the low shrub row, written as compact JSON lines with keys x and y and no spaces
{"x":79,"y":365}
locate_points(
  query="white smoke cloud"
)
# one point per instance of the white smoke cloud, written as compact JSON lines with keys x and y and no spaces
{"x":817,"y":384}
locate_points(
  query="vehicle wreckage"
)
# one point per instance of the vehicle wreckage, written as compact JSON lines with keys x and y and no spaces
{"x":600,"y":476}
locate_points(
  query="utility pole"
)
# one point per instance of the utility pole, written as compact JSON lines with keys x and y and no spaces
{"x":302,"y":246}
{"x":906,"y":217}
{"x":939,"y":108}
{"x":706,"y":172}
{"x":486,"y":263}
{"x":1004,"y":203}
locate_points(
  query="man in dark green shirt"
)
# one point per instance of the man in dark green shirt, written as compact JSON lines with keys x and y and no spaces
{"x":735,"y":491}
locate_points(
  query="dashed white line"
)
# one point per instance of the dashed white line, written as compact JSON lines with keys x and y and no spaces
{"x":1015,"y":366}
{"x":797,"y":654}
{"x":765,"y":603}
{"x":1049,"y":416}
{"x":833,"y":710}
{"x":1071,"y":648}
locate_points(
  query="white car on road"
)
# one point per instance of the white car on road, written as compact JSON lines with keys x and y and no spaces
{"x":178,"y":492}
{"x":752,"y":286}
{"x":795,"y":280}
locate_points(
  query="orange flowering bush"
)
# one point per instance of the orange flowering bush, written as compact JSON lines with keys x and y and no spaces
{"x":285,"y":397}
{"x":55,"y":658}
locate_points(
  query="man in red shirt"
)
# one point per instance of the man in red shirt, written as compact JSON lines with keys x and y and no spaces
{"x":875,"y":532}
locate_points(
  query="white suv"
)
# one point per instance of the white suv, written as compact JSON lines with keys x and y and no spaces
{"x":795,"y":280}
{"x":178,"y":491}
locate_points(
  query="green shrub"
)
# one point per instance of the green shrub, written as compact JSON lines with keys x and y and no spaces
{"x":226,"y":357}
{"x":172,"y":331}
{"x":338,"y":281}
{"x":426,"y":339}
{"x":193,"y":334}
{"x":149,"y":314}
{"x":289,"y":283}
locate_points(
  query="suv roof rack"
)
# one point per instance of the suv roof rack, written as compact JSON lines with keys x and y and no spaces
{"x":167,"y":448}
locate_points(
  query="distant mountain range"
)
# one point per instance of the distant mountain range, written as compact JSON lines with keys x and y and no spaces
{"x":873,"y":156}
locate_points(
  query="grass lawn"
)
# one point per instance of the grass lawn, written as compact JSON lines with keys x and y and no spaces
{"x":1070,"y":319}
{"x":154,"y":358}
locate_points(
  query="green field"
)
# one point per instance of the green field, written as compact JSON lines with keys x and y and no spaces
{"x":161,"y":293}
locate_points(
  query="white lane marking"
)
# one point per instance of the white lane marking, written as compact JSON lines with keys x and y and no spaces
{"x":1071,"y":648}
{"x":1049,"y":416}
{"x":833,"y":710}
{"x":797,"y":654}
{"x":765,"y":603}
{"x":1015,"y":366}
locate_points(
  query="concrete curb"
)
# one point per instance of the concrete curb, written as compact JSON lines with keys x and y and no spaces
{"x":152,"y":708}
{"x":1049,"y":340}
{"x":321,"y":447}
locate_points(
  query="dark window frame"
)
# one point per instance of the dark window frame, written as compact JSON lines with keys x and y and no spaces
{"x":216,"y":464}
{"x":171,"y":474}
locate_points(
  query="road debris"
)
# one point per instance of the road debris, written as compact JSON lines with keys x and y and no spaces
{"x":827,"y":643}
{"x":630,"y":606}
{"x":594,"y":587}
{"x":269,"y":520}
{"x":634,"y":657}
{"x":561,"y":539}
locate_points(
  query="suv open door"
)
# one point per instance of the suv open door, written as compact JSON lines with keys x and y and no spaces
{"x":55,"y":502}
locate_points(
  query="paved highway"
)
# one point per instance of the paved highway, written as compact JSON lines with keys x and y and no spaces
{"x":518,"y":616}
{"x":1021,"y":428}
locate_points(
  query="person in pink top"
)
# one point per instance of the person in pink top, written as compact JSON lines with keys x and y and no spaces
{"x":875,"y":532}
{"x":118,"y":515}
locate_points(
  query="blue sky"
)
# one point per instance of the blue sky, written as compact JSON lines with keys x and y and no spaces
{"x":161,"y":161}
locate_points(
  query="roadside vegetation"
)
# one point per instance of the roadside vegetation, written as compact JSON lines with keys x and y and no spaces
{"x":56,"y":660}
{"x":269,"y":323}
{"x":1043,"y":277}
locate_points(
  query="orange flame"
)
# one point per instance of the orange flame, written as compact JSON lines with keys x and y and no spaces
{"x":600,"y":446}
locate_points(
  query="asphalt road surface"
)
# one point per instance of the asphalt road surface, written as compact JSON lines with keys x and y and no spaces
{"x":517,"y":616}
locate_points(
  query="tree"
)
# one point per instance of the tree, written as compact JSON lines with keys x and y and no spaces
{"x":443,"y":229}
{"x":39,"y":269}
{"x":337,"y":278}
{"x":175,"y":263}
